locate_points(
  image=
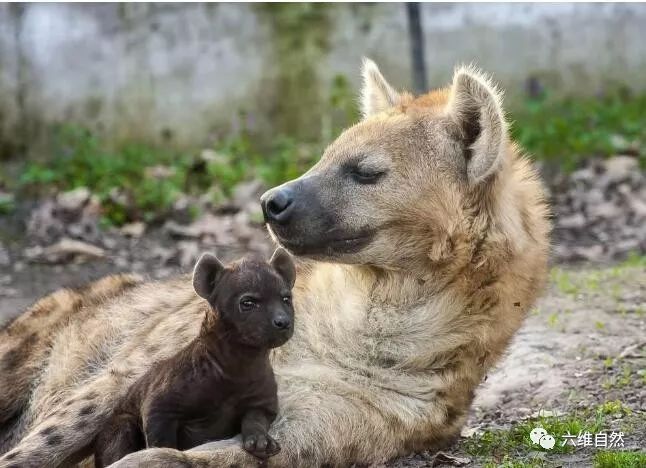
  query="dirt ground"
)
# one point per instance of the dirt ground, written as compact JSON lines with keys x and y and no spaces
{"x":582,"y":347}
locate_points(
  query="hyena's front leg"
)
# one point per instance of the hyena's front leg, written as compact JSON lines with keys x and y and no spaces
{"x":313,"y":429}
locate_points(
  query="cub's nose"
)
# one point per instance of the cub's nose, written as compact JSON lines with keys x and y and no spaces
{"x":277,"y":205}
{"x":282,"y":322}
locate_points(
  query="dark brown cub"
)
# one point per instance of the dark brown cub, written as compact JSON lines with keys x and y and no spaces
{"x":221,"y":384}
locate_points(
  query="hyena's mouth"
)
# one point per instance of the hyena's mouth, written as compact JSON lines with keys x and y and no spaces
{"x":323,"y":246}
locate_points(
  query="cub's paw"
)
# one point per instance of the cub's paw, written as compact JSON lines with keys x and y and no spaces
{"x":260,"y":445}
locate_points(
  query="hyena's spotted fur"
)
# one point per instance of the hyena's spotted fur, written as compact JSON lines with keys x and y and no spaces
{"x":26,"y":341}
{"x":391,"y":340}
{"x":71,"y":402}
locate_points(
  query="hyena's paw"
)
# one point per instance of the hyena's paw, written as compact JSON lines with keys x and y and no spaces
{"x":203,"y":456}
{"x":168,"y":458}
{"x":261,"y":445}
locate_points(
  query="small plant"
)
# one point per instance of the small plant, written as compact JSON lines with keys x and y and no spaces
{"x":7,"y":203}
{"x":634,"y":259}
{"x":507,"y":462}
{"x":564,"y":281}
{"x":553,"y":320}
{"x":626,"y":376}
{"x":613,"y":407}
{"x":592,"y":281}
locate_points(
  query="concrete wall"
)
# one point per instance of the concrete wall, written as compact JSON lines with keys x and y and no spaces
{"x":181,"y":73}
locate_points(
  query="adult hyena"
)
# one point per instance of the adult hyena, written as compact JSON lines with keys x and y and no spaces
{"x":423,"y":239}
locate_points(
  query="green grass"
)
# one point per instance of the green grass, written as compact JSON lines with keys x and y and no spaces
{"x":610,"y":459}
{"x":513,"y":447}
{"x":634,"y":260}
{"x":507,"y":462}
{"x":83,"y":160}
{"x":566,"y":131}
{"x":572,"y":282}
{"x":564,"y":281}
{"x":613,"y":407}
{"x":516,"y":441}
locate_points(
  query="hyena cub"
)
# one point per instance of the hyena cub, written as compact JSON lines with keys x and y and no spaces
{"x":222,"y":383}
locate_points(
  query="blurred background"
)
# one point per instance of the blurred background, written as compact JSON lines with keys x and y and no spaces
{"x":148,"y":107}
{"x":135,"y":136}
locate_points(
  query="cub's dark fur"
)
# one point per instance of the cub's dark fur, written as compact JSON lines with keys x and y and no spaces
{"x":222,"y":383}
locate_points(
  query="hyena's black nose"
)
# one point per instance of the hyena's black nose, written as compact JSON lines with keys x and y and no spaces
{"x":277,"y":205}
{"x":282,"y":322}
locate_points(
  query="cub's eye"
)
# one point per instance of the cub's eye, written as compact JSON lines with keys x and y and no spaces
{"x":365,"y":176}
{"x":247,"y":303}
{"x":287,"y":300}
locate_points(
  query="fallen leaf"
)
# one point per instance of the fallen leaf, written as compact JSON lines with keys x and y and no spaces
{"x":64,"y":251}
{"x":546,"y":414}
{"x":136,"y":229}
{"x":442,"y":458}
{"x":468,"y":432}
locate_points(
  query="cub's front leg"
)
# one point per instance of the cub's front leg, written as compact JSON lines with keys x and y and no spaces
{"x":255,"y":437}
{"x":119,"y":438}
{"x":314,"y":429}
{"x":160,"y":426}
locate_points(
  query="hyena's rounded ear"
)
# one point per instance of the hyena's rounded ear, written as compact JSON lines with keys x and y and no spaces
{"x":475,"y":105}
{"x":376,"y":94}
{"x":282,"y":262}
{"x":206,"y":274}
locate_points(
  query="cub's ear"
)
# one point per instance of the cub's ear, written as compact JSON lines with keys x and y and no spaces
{"x":282,"y":262}
{"x":475,"y":105}
{"x":206,"y":274}
{"x":376,"y":94}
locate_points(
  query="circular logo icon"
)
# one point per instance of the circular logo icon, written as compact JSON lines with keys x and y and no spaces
{"x":547,"y":442}
{"x":536,"y":434}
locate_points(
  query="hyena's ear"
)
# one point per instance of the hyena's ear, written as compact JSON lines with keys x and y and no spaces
{"x":282,"y":262}
{"x":475,"y":105}
{"x":206,"y":274}
{"x":376,"y":94}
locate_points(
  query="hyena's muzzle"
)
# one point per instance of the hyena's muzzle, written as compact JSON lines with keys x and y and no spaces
{"x":310,"y":217}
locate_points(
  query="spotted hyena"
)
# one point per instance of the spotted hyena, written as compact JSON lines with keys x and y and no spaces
{"x":422,"y":240}
{"x":221,"y":383}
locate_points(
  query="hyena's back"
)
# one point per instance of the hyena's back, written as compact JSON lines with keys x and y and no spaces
{"x":25,"y":343}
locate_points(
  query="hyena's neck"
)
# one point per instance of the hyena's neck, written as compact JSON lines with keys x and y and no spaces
{"x":220,"y":345}
{"x":349,"y":310}
{"x":345,"y":292}
{"x":398,"y":288}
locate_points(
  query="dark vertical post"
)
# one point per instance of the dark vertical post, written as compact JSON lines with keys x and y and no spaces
{"x":416,"y":47}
